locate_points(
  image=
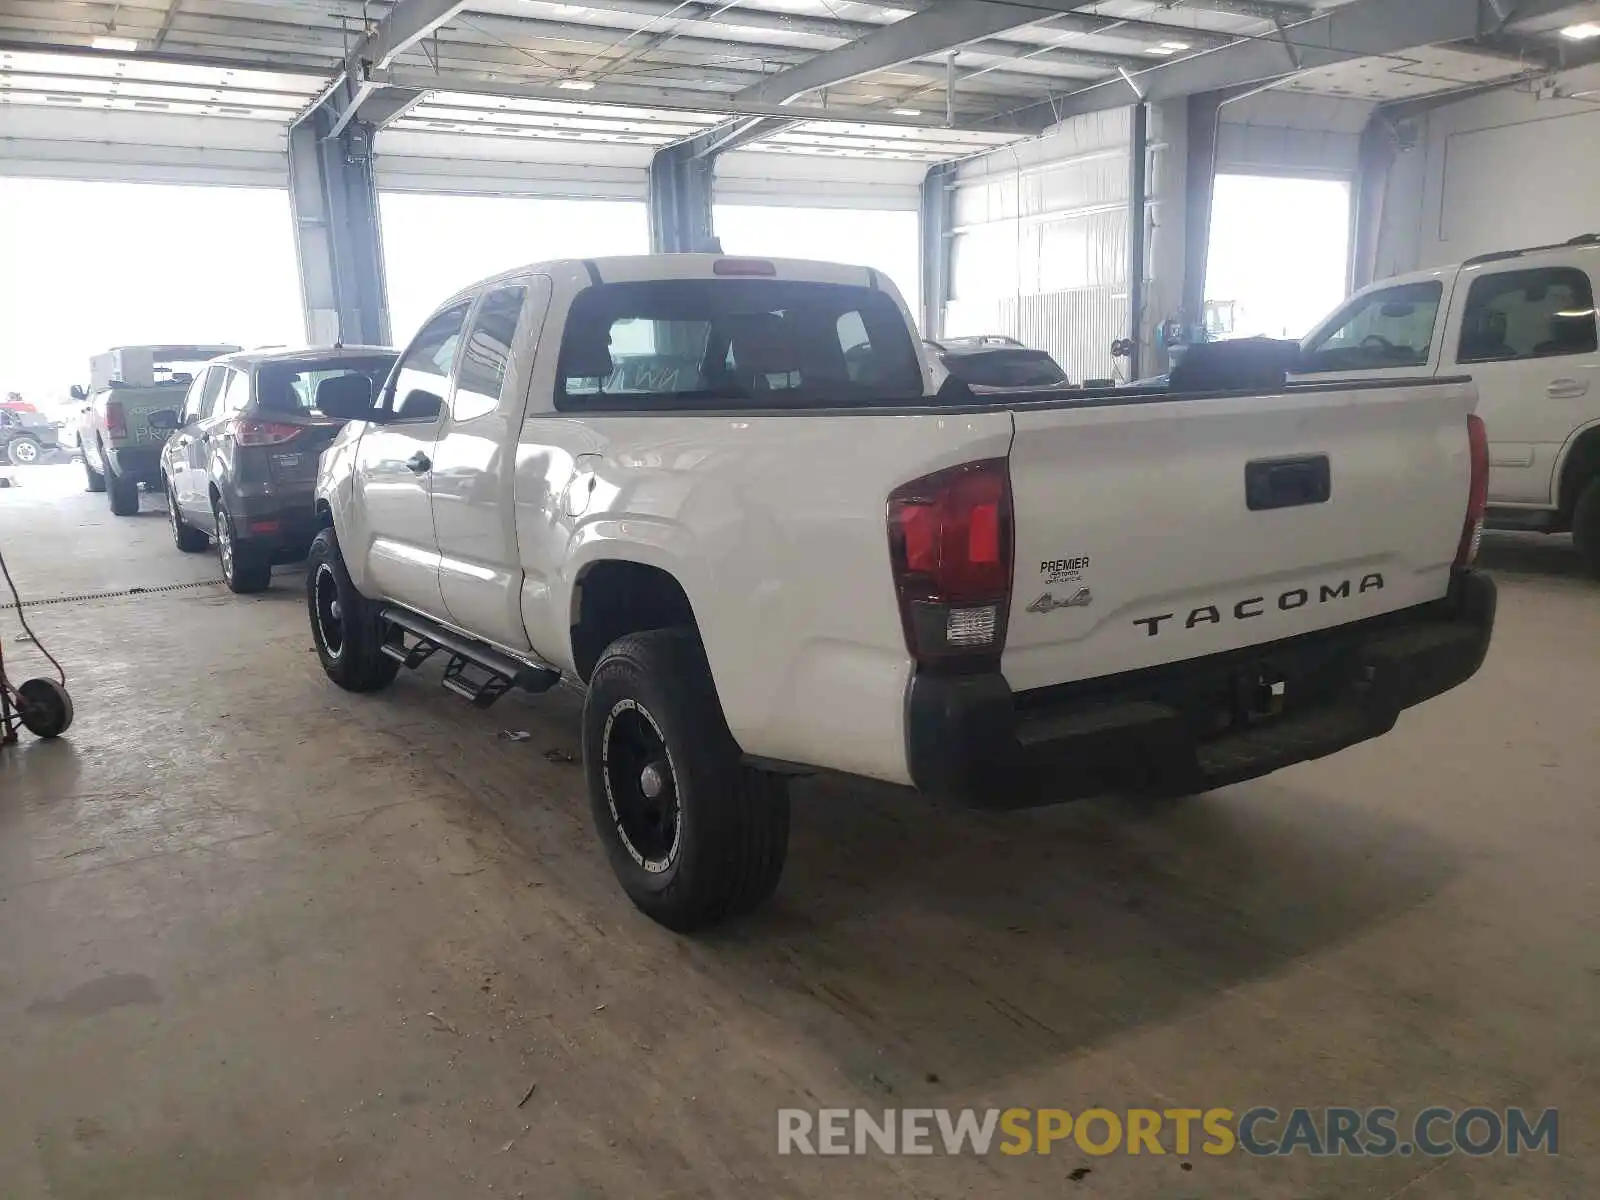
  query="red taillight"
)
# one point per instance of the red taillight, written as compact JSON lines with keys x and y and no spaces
{"x":950,"y":547}
{"x":248,"y":432}
{"x":1477,"y":494}
{"x":116,"y":419}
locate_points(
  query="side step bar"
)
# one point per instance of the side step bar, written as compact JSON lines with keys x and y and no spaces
{"x":475,"y":671}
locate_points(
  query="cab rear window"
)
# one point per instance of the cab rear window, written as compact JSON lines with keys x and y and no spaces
{"x":734,"y":343}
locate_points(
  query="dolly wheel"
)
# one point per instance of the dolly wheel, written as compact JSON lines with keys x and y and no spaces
{"x":44,"y":707}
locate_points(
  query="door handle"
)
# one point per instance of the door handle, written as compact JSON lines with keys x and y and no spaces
{"x":1567,"y":389}
{"x":420,"y":463}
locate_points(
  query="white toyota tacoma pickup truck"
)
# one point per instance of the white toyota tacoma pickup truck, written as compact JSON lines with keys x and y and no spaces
{"x":718,"y":492}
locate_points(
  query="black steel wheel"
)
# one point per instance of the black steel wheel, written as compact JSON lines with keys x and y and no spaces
{"x":693,"y":835}
{"x":641,"y":787}
{"x":44,"y":707}
{"x":345,"y":625}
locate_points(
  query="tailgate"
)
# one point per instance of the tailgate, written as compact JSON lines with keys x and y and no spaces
{"x":1150,"y":533}
{"x":293,"y":463}
{"x":137,"y":405}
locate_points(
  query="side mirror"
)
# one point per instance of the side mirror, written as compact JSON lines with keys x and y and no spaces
{"x":77,"y":392}
{"x":420,"y":406}
{"x":347,"y":396}
{"x":165,"y":420}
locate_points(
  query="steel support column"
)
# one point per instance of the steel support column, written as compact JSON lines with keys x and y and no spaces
{"x":338,"y":241}
{"x":680,"y":186}
{"x":1200,"y":181}
{"x":1138,"y":231}
{"x":937,"y":219}
{"x":1371,"y":192}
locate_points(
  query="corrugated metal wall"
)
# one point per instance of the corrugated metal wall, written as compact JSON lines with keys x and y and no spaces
{"x":1040,"y":247}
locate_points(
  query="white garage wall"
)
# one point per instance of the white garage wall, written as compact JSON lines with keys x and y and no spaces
{"x":818,"y":181}
{"x":1040,"y":246}
{"x":130,"y":147}
{"x":410,"y":160}
{"x":434,"y":245}
{"x":1291,"y":133}
{"x":883,"y":239}
{"x":1495,"y":172}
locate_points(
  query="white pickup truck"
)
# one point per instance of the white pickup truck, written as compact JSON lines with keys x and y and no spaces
{"x":1522,"y":324}
{"x":718,"y":492}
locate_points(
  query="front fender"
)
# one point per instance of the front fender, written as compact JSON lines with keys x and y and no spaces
{"x":337,"y":490}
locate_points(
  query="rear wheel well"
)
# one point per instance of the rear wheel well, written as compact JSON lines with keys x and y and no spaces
{"x":324,"y":515}
{"x":1582,"y":465}
{"x":618,"y":598}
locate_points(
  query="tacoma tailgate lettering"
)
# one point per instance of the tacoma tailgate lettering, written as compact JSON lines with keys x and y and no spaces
{"x":1254,"y":606}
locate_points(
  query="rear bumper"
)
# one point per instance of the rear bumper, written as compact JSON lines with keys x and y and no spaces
{"x":275,"y":520}
{"x":1196,"y":725}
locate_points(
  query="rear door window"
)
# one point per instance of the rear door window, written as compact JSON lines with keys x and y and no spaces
{"x":1542,"y":313}
{"x":1386,"y":329}
{"x":203,"y":393}
{"x":486,"y":355}
{"x":235,"y":395}
{"x":734,"y":343}
{"x":428,"y":362}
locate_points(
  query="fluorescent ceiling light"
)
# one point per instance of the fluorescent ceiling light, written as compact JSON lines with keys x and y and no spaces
{"x":577,"y":85}
{"x":896,"y":13}
{"x":1162,"y":50}
{"x":107,"y":42}
{"x":1582,"y":33}
{"x":1174,"y":46}
{"x":906,"y":112}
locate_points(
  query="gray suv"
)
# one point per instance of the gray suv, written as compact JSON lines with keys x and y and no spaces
{"x":240,"y":466}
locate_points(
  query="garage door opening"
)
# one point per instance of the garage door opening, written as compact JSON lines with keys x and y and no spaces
{"x":884,"y":239}
{"x":1279,"y":258}
{"x":436,"y":244}
{"x":91,"y":265}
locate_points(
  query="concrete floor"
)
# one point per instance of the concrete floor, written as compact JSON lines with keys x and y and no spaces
{"x":265,"y":939}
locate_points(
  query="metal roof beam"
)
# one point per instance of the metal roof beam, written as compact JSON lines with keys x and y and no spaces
{"x":1359,"y":29}
{"x":403,"y":26}
{"x":942,"y":26}
{"x":668,"y":100}
{"x":355,"y":94}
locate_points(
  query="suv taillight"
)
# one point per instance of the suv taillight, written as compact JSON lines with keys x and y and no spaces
{"x":116,"y":419}
{"x":1477,"y":494}
{"x":250,"y":432}
{"x":950,"y":546}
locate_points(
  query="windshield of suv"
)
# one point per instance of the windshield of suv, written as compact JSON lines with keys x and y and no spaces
{"x":292,"y":386}
{"x":682,"y":343}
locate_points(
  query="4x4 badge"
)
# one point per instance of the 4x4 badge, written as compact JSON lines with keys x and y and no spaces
{"x":1082,"y":598}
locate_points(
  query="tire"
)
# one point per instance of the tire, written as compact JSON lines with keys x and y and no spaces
{"x":25,"y":450}
{"x":123,"y":494}
{"x":96,"y":481}
{"x":1586,"y":526}
{"x":710,"y":841}
{"x":349,"y":639}
{"x":184,"y":535}
{"x":245,"y":569}
{"x":44,"y":707}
